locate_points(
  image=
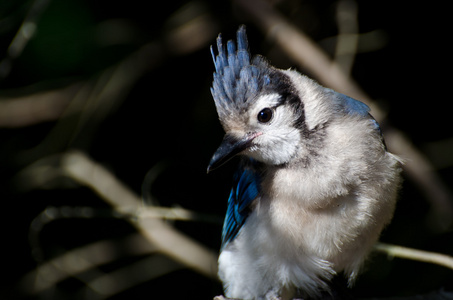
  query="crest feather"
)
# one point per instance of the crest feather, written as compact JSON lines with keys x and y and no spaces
{"x":237,"y":78}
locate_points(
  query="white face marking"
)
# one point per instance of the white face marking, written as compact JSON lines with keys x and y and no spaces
{"x":278,"y":139}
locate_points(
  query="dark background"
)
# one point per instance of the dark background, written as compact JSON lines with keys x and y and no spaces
{"x":161,"y":113}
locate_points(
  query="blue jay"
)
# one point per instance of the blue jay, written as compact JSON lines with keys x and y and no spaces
{"x":315,"y":184}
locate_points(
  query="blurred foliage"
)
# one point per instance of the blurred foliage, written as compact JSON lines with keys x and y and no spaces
{"x":132,"y":94}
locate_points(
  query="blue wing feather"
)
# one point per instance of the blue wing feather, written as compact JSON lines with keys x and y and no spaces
{"x":246,"y":182}
{"x":352,"y":106}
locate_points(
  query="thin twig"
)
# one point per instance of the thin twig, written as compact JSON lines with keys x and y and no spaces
{"x":144,"y":270}
{"x":23,"y":36}
{"x":167,"y":239}
{"x":348,"y":37}
{"x":79,"y":260}
{"x":177,"y":213}
{"x":414,"y":254}
{"x":87,"y":258}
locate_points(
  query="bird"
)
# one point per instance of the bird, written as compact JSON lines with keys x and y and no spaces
{"x":315,"y":183}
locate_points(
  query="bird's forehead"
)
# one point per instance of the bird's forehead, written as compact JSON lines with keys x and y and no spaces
{"x":240,"y":120}
{"x":268,"y":100}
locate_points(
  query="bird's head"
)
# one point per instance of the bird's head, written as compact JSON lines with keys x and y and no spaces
{"x":268,"y":114}
{"x":258,"y":106}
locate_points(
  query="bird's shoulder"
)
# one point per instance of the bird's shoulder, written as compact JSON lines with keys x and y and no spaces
{"x":352,"y":106}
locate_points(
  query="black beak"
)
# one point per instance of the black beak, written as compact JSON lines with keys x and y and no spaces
{"x":229,"y":147}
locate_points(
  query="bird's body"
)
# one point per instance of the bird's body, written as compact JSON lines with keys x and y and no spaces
{"x":315,"y":186}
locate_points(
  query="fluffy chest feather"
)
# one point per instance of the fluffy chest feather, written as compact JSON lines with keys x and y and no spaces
{"x":309,"y":215}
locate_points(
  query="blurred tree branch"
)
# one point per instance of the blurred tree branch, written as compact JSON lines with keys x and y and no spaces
{"x":87,"y":103}
{"x":159,"y":236}
{"x":113,"y":283}
{"x":23,"y":35}
{"x":36,"y":107}
{"x":167,"y":240}
{"x":348,"y":38}
{"x":414,"y":254}
{"x":82,"y":259}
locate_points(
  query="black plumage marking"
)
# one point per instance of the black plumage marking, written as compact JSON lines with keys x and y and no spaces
{"x":282,"y":84}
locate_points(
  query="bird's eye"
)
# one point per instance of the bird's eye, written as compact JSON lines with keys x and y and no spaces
{"x":265,"y":115}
